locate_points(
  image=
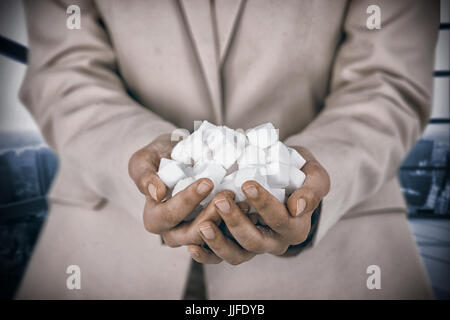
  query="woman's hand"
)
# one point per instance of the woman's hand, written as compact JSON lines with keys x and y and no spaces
{"x":166,"y":218}
{"x":161,"y":217}
{"x":285,"y":225}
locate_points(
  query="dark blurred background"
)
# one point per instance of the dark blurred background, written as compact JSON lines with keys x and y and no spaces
{"x":28,"y":166}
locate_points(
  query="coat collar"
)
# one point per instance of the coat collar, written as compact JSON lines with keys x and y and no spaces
{"x":211,"y":27}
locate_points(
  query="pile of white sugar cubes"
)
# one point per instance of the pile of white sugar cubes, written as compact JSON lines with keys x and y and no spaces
{"x":231,"y":157}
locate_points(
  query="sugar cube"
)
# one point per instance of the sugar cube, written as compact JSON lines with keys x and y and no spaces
{"x":171,"y":172}
{"x":197,"y":149}
{"x":246,"y":174}
{"x":230,"y":177}
{"x":227,"y":185}
{"x":182,"y":184}
{"x":210,"y":196}
{"x":263,"y":135}
{"x":296,"y":160}
{"x":227,"y":154}
{"x":231,"y":157}
{"x":296,"y":179}
{"x":211,"y":170}
{"x":164,"y":162}
{"x":188,"y":170}
{"x":278,"y":152}
{"x":203,"y":126}
{"x":180,"y":154}
{"x":277,"y":174}
{"x":278,"y":193}
{"x":240,"y":138}
{"x":252,"y":156}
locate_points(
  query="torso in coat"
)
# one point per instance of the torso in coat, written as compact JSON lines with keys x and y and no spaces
{"x":239,"y":64}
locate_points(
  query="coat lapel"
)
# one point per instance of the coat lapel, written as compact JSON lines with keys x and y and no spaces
{"x":199,"y":21}
{"x":211,"y":26}
{"x":228,"y":13}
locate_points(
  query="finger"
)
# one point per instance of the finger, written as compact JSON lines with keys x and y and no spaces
{"x":281,"y":245}
{"x":163,"y":145}
{"x":202,"y":255}
{"x":187,"y":233}
{"x":268,"y":207}
{"x":222,"y":246}
{"x":303,"y":201}
{"x":181,"y":235}
{"x":156,"y":189}
{"x":242,"y":228}
{"x":142,"y":170}
{"x":315,"y":187}
{"x":160,"y":217}
{"x":244,"y":206}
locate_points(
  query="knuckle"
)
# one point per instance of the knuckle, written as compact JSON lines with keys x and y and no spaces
{"x":233,"y":221}
{"x":281,"y":250}
{"x":170,"y":218}
{"x":316,"y":168}
{"x":312,"y":199}
{"x":254,"y":246}
{"x":189,"y":197}
{"x":171,"y":244}
{"x":308,"y":193}
{"x":138,"y":162}
{"x":151,"y":227}
{"x":263,"y":204}
{"x":234,"y":261}
{"x":160,"y":218}
{"x":300,"y":238}
{"x":135,"y":158}
{"x":192,"y":237}
{"x":170,"y":241}
{"x":321,"y":172}
{"x":282,"y":222}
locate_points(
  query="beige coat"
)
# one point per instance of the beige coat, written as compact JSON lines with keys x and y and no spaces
{"x":358,"y":102}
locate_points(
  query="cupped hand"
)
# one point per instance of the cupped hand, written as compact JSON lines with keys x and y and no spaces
{"x":161,"y":216}
{"x":166,"y":218}
{"x":286,"y":225}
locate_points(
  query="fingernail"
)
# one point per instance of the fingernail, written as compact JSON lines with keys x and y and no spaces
{"x":203,"y":187}
{"x":207,"y":232}
{"x":223,"y":205}
{"x":152,"y":191}
{"x":251,"y":191}
{"x":301,"y":204}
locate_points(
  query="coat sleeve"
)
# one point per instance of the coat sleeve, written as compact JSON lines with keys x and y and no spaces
{"x":379,"y":102}
{"x":73,"y":90}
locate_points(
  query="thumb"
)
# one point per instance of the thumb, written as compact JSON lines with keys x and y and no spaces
{"x":142,"y":169}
